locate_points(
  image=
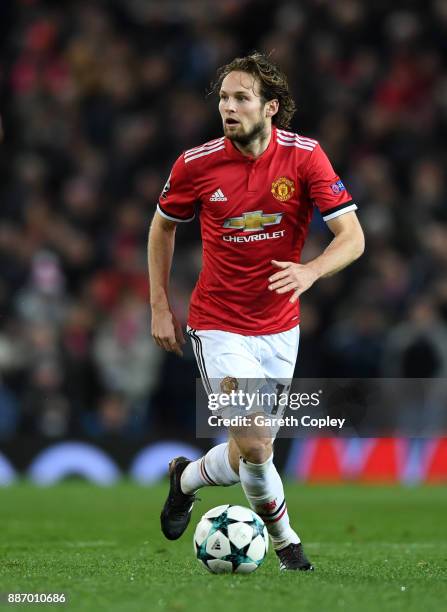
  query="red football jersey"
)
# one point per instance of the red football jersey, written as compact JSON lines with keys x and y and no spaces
{"x":251,"y":211}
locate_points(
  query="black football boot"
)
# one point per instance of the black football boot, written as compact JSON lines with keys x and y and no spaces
{"x":292,"y":557}
{"x":176,"y":512}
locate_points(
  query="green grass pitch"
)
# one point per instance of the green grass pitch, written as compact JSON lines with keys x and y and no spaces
{"x":374,"y":548}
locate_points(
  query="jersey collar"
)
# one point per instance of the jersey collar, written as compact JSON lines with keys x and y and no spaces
{"x":237,"y":155}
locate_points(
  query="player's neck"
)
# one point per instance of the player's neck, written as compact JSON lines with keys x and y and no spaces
{"x":257,"y":147}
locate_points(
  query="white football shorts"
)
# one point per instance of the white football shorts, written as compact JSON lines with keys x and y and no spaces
{"x":263,"y":364}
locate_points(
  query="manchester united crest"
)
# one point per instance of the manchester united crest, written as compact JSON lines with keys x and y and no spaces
{"x":283,"y":188}
{"x":229,"y":384}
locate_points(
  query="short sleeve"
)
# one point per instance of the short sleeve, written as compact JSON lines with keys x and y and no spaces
{"x":325,"y":187}
{"x":177,"y":200}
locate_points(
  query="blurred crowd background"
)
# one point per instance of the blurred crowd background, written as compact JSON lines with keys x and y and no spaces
{"x":98,"y":98}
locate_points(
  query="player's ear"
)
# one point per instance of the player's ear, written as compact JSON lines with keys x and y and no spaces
{"x":271,"y":108}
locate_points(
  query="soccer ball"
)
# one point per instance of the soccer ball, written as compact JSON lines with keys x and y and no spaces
{"x":231,"y":539}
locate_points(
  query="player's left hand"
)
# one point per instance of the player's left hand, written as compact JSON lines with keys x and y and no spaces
{"x":292,"y":277}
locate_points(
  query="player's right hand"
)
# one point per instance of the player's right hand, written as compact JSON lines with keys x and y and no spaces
{"x":167,"y":331}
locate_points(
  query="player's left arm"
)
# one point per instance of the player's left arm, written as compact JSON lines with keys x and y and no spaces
{"x":346,"y":246}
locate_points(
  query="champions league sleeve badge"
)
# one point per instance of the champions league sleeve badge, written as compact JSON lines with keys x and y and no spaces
{"x":166,"y":188}
{"x":337,"y":187}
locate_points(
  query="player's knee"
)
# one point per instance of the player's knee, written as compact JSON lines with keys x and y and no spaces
{"x":256,"y":450}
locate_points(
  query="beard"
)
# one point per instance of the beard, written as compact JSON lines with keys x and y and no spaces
{"x":247,"y":137}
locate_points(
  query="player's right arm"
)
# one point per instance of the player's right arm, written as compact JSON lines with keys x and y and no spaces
{"x":166,"y":330}
{"x":176,"y":205}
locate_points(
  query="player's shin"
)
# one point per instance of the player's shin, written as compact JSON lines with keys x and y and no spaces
{"x":264,"y":490}
{"x":213,"y":469}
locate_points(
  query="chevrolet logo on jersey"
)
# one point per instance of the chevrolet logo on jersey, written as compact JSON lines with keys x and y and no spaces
{"x":253,"y":221}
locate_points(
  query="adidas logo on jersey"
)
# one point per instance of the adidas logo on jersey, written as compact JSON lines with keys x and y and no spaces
{"x":218,"y":196}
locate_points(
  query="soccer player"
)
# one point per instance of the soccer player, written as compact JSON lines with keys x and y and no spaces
{"x":255,"y":189}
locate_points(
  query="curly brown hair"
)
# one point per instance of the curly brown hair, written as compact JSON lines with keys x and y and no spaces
{"x":273,"y":83}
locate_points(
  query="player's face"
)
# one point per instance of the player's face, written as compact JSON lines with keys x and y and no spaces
{"x":241,"y":108}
